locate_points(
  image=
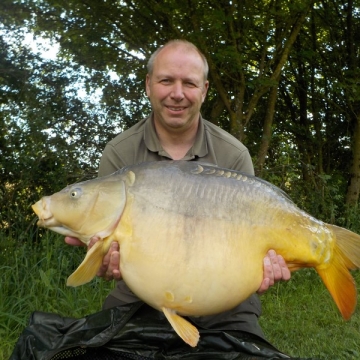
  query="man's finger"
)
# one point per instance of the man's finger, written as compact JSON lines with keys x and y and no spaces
{"x":269,"y":269}
{"x":113,"y":271}
{"x":92,"y":242}
{"x":285,"y":272}
{"x":74,"y":241}
{"x":276,"y":268}
{"x":109,"y":264}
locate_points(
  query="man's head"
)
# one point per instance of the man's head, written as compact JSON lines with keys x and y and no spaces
{"x":176,"y":85}
{"x":186,"y":45}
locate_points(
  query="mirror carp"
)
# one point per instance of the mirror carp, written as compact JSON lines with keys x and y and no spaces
{"x":193,"y":237}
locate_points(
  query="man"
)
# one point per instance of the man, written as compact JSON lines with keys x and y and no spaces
{"x":176,"y":85}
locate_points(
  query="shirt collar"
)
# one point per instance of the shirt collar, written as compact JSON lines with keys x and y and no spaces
{"x":199,"y":149}
{"x":150,"y":137}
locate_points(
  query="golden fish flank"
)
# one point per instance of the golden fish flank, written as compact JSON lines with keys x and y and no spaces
{"x":192,"y":237}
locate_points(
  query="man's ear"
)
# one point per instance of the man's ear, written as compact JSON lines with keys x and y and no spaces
{"x":148,"y":85}
{"x":206,"y":87}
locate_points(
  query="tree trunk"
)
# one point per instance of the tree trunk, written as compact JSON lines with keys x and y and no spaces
{"x":267,"y":131}
{"x":353,"y":190}
{"x":352,"y":195}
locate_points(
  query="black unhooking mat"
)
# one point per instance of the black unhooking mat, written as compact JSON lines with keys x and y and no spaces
{"x":133,"y":331}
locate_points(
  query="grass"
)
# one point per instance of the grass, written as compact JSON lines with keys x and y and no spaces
{"x":33,"y":278}
{"x":299,"y":317}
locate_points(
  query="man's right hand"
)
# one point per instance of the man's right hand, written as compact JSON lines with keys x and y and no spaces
{"x":109,"y":269}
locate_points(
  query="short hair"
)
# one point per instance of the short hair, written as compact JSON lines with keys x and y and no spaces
{"x":176,"y":43}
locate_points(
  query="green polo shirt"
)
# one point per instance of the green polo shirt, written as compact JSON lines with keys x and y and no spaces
{"x":140,"y":144}
{"x":212,"y":145}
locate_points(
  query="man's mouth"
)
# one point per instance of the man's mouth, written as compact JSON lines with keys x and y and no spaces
{"x":176,"y":108}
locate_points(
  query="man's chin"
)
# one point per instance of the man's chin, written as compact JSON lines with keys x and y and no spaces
{"x":176,"y":121}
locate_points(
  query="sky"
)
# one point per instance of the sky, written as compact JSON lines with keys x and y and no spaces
{"x":47,"y":49}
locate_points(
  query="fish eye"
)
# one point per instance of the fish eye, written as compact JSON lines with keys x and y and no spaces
{"x":75,"y":193}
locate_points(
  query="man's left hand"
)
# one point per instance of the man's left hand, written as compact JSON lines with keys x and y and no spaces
{"x":275,"y":269}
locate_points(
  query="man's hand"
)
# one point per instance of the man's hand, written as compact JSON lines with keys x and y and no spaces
{"x":275,"y":269}
{"x":109,"y":269}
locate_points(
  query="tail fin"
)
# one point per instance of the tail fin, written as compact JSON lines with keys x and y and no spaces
{"x":349,"y":244}
{"x":337,"y":277}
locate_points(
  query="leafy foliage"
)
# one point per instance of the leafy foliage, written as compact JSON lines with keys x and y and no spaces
{"x":283,"y":78}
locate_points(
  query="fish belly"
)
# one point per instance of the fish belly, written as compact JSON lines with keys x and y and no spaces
{"x":196,"y":266}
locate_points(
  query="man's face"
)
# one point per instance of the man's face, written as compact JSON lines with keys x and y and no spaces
{"x":177,"y":88}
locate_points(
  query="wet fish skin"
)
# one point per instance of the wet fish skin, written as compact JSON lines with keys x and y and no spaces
{"x":192,"y":236}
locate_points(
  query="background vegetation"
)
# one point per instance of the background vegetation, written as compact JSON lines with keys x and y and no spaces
{"x":299,"y":316}
{"x":284,"y":79}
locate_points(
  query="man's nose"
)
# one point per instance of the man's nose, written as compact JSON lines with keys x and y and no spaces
{"x":177,"y":92}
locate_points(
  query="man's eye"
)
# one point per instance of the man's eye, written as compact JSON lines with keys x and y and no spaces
{"x":165,"y":81}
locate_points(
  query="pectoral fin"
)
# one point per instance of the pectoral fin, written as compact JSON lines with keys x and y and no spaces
{"x":89,"y":267}
{"x":183,"y":328}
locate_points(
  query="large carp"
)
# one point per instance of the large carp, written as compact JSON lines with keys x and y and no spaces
{"x":193,"y":237}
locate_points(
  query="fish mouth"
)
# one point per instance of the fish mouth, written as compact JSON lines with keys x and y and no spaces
{"x":46,"y":218}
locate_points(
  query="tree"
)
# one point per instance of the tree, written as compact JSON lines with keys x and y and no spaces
{"x":246,"y":44}
{"x":43,"y":144}
{"x":283,"y":79}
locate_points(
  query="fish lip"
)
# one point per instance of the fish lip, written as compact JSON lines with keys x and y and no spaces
{"x":49,"y":222}
{"x":42,"y":210}
{"x":62,"y":230}
{"x":57,"y":227}
{"x":46,"y":217}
